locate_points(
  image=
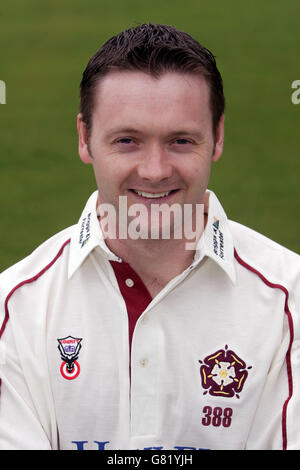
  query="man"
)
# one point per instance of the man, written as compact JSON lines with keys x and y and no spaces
{"x":115,"y":336}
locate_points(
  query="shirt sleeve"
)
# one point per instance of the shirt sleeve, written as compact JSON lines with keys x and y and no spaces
{"x":20,"y":427}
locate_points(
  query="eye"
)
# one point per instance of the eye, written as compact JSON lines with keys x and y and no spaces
{"x":182,"y":141}
{"x":125,"y":140}
{"x":182,"y":144}
{"x":125,"y":144}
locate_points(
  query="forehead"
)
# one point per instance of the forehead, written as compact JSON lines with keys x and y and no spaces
{"x":133,"y":95}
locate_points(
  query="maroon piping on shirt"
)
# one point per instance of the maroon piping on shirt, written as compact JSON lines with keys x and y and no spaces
{"x":288,"y":354}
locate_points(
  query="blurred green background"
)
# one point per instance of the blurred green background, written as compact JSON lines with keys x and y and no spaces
{"x":44,"y":47}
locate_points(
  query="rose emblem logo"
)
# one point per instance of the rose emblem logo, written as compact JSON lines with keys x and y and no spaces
{"x":223,"y":373}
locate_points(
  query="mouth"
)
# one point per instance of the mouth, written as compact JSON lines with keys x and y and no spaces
{"x":158,"y":197}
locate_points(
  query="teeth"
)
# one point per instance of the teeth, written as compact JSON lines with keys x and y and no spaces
{"x":153,"y":195}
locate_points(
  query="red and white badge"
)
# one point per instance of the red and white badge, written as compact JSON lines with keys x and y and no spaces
{"x":69,"y":348}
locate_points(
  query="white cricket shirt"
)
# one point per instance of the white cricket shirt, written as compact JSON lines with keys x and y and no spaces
{"x":214,"y":361}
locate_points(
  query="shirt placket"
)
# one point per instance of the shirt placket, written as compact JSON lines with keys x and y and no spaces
{"x":145,"y":348}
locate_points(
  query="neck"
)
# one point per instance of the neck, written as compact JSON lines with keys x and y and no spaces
{"x":156,"y":262}
{"x":150,"y":252}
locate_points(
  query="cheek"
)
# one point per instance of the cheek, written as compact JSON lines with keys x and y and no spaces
{"x":104,"y":179}
{"x":110,"y":175}
{"x":104,"y":168}
{"x":198,"y":176}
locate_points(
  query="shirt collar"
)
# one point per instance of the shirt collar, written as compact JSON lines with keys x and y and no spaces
{"x":216,"y":241}
{"x":87,"y":236}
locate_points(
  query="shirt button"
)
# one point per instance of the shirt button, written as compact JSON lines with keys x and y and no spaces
{"x":144,"y":362}
{"x":129,"y":282}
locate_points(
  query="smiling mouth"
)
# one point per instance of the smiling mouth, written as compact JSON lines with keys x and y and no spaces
{"x":149,"y":195}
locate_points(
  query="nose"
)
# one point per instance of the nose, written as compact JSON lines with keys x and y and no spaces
{"x":155,"y":165}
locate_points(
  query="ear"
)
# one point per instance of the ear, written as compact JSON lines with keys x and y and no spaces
{"x":219,"y":140}
{"x":83,"y":148}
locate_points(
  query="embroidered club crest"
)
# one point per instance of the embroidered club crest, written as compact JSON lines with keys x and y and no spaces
{"x":223,"y":373}
{"x":69,"y":348}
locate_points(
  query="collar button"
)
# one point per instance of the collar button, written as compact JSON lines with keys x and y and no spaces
{"x":129,"y":282}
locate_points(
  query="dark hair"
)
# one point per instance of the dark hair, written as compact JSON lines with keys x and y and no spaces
{"x":153,"y":49}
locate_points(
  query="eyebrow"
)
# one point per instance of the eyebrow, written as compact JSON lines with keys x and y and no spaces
{"x":130,"y":130}
{"x":195,"y":133}
{"x":122,"y":130}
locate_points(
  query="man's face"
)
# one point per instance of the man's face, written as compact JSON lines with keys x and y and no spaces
{"x":151,"y":137}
